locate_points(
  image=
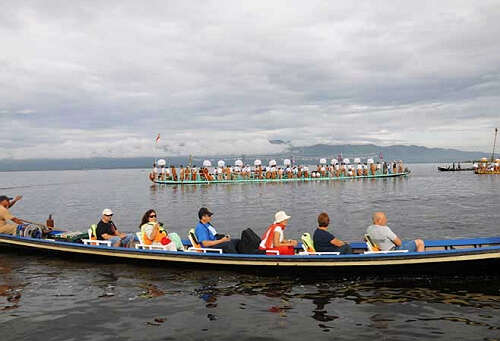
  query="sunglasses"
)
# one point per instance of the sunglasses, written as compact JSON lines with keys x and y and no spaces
{"x":153,"y":216}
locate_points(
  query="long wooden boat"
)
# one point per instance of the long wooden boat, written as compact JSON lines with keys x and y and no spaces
{"x":449,"y":169}
{"x":246,"y":181}
{"x":458,"y":256}
{"x":486,"y":172}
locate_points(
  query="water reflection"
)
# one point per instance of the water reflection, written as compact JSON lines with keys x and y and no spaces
{"x":288,"y":294}
{"x":10,"y":289}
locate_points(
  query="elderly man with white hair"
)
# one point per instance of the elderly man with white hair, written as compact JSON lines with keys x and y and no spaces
{"x":387,"y":240}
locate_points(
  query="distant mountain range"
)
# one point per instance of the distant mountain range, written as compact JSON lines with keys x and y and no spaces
{"x":409,"y":154}
{"x":304,"y":155}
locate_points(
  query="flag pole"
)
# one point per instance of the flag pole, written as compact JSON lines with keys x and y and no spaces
{"x":494,"y":144}
{"x":154,"y":145}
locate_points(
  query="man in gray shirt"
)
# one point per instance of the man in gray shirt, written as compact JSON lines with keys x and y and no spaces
{"x":387,"y":240}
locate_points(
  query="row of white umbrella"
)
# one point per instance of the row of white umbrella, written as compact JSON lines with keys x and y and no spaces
{"x":272,"y":163}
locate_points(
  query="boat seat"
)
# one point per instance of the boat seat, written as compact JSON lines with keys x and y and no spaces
{"x":196,"y":246}
{"x":93,"y":237}
{"x":141,"y":244}
{"x":273,"y":252}
{"x":374,"y":249}
{"x":308,"y":246}
{"x":389,"y":251}
{"x":306,"y":253}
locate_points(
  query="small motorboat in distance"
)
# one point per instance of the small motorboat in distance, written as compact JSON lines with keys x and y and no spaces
{"x":455,"y":169}
{"x":441,"y":257}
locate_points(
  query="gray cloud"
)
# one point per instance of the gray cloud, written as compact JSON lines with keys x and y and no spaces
{"x":98,"y":79}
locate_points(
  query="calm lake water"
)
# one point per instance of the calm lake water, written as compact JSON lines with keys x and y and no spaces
{"x":50,"y":298}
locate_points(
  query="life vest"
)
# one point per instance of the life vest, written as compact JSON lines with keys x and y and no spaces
{"x":268,"y":237}
{"x":159,"y":236}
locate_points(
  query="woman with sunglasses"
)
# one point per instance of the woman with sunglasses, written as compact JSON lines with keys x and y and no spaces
{"x":153,"y":232}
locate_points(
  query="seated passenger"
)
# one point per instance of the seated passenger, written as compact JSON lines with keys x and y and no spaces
{"x":209,"y":238}
{"x":274,"y":238}
{"x":153,"y":232}
{"x":386,"y":240}
{"x":5,"y":216}
{"x":107,"y":230}
{"x":324,"y":241}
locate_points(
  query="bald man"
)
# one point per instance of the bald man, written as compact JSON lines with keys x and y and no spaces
{"x":387,"y":240}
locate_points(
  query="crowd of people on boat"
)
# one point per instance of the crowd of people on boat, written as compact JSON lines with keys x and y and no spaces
{"x":273,"y":241}
{"x":484,"y":166}
{"x":241,"y":171}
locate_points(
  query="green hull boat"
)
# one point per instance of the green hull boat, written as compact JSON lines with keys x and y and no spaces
{"x":249,"y":181}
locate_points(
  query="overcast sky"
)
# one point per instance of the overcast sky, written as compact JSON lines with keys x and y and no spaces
{"x":103,"y":78}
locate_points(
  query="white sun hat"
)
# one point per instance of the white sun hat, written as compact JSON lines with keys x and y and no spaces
{"x":207,"y":163}
{"x":334,"y":162}
{"x":369,"y":161}
{"x":322,"y":161}
{"x":161,"y":162}
{"x":272,"y":163}
{"x":238,"y":163}
{"x":357,"y":160}
{"x":107,"y":211}
{"x":221,"y":163}
{"x":280,"y":216}
{"x":287,"y":162}
{"x":347,"y":161}
{"x":257,"y":163}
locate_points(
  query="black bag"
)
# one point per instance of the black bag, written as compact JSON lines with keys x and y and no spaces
{"x":249,"y":243}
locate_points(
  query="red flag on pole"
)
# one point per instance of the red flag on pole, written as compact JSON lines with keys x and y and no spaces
{"x":157,"y":138}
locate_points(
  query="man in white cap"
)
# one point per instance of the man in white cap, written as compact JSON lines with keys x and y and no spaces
{"x":5,"y":216}
{"x":274,"y":239}
{"x":107,"y":230}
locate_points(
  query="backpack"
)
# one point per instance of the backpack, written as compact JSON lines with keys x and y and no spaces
{"x":249,"y":243}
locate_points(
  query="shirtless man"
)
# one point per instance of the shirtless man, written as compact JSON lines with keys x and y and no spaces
{"x":5,"y":216}
{"x":174,"y":172}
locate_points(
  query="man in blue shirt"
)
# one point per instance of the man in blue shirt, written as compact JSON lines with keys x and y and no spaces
{"x":207,"y":235}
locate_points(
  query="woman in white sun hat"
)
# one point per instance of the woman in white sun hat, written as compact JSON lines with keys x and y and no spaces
{"x":274,"y":238}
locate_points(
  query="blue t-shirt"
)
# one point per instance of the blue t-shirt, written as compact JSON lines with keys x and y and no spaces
{"x":204,"y":232}
{"x":322,"y":241}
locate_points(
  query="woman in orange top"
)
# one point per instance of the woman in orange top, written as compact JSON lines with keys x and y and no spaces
{"x":273,"y":239}
{"x":153,"y":232}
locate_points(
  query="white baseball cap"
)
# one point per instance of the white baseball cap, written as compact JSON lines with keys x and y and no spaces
{"x":107,"y":211}
{"x":280,"y":216}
